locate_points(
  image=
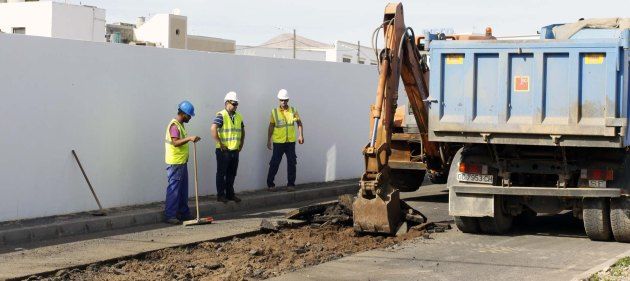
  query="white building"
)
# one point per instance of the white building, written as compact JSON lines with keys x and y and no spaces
{"x":52,"y":19}
{"x":171,"y":31}
{"x":282,"y":46}
{"x":351,"y":53}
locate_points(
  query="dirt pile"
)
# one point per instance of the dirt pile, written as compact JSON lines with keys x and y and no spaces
{"x":325,"y":234}
{"x":258,"y":257}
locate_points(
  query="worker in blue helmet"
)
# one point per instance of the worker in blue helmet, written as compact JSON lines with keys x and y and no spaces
{"x":176,"y":142}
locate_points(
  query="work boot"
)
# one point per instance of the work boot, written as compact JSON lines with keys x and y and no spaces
{"x":235,"y":199}
{"x":290,"y":188}
{"x":222,"y":199}
{"x":173,"y":221}
{"x":272,"y":189}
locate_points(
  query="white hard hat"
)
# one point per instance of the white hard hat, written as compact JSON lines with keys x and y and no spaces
{"x":283,"y":94}
{"x":231,"y":96}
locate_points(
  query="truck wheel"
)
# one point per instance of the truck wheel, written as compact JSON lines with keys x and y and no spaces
{"x":499,"y":224}
{"x":467,"y":224}
{"x":620,"y":219}
{"x":596,"y":216}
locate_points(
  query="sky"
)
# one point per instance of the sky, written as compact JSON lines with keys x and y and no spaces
{"x":252,"y":22}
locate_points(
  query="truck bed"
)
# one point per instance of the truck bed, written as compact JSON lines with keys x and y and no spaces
{"x":534,"y":92}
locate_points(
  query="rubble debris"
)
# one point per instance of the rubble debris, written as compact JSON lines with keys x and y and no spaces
{"x":61,"y":273}
{"x":346,"y":201}
{"x":282,"y":223}
{"x":340,"y":213}
{"x":213,"y":266}
{"x":255,"y":252}
{"x":308,"y":211}
{"x":262,"y":256}
{"x":402,"y":229}
{"x":120,"y":264}
{"x":266,"y":225}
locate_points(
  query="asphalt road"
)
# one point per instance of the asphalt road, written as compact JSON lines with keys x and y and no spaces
{"x":554,"y":248}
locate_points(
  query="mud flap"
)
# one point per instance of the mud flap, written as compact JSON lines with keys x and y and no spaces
{"x":470,"y":205}
{"x":380,"y":214}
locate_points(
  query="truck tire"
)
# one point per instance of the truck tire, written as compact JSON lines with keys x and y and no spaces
{"x":596,"y":216}
{"x":620,"y":219}
{"x":467,"y":224}
{"x":407,"y":180}
{"x":500,"y":223}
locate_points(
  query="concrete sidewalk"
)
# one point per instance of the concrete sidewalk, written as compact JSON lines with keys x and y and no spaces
{"x":42,"y":229}
{"x":44,"y":260}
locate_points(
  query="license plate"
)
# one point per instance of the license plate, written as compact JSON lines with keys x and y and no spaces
{"x":475,"y":178}
{"x":596,"y":183}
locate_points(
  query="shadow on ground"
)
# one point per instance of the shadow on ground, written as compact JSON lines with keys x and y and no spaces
{"x":561,"y":225}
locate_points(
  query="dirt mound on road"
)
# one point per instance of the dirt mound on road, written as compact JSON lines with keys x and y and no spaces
{"x":257,"y":257}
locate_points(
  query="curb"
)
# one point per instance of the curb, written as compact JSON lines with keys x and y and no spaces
{"x":154,"y":215}
{"x":586,"y":274}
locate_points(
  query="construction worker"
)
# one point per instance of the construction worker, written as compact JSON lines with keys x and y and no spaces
{"x":176,"y":157}
{"x":282,"y":133}
{"x":228,"y":130}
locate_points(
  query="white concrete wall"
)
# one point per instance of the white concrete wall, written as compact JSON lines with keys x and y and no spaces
{"x":112,"y":102}
{"x":78,"y":22}
{"x":36,"y":17}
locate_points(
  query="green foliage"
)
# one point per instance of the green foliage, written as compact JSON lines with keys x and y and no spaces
{"x":618,"y":271}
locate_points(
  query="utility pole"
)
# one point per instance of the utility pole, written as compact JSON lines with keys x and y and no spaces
{"x":358,"y":51}
{"x":294,"y":39}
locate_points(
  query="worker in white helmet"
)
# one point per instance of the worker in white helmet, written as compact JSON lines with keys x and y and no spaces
{"x":228,"y":130}
{"x":281,"y":133}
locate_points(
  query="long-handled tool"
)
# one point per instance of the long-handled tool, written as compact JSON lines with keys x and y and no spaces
{"x":198,"y":220}
{"x":100,"y":208}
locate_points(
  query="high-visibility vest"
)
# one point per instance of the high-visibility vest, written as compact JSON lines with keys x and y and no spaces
{"x":284,"y":130}
{"x":175,"y":155}
{"x":231,"y":131}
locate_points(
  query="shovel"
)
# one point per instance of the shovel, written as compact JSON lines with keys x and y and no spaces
{"x":198,"y":220}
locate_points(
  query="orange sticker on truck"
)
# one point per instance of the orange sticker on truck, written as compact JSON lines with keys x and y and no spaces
{"x":455,"y":59}
{"x":594,"y":58}
{"x":521,"y":83}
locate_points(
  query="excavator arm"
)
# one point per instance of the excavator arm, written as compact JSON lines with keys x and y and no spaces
{"x":378,"y":206}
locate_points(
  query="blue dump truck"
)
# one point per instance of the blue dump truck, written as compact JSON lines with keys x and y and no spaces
{"x":542,"y":124}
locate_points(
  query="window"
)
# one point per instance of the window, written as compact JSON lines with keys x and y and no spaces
{"x":176,"y":31}
{"x":373,"y":62}
{"x":19,"y":30}
{"x":361,"y":62}
{"x":347,"y":60}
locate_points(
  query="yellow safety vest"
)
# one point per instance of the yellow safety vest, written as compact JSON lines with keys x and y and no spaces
{"x":284,"y":130}
{"x":175,"y":155}
{"x":231,"y":131}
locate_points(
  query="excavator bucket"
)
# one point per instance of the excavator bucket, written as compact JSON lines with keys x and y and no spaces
{"x":377,"y":214}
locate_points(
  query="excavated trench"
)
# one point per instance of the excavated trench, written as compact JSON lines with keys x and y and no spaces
{"x":278,"y":248}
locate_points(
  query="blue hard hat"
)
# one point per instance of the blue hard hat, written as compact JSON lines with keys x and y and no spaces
{"x":187,"y":108}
